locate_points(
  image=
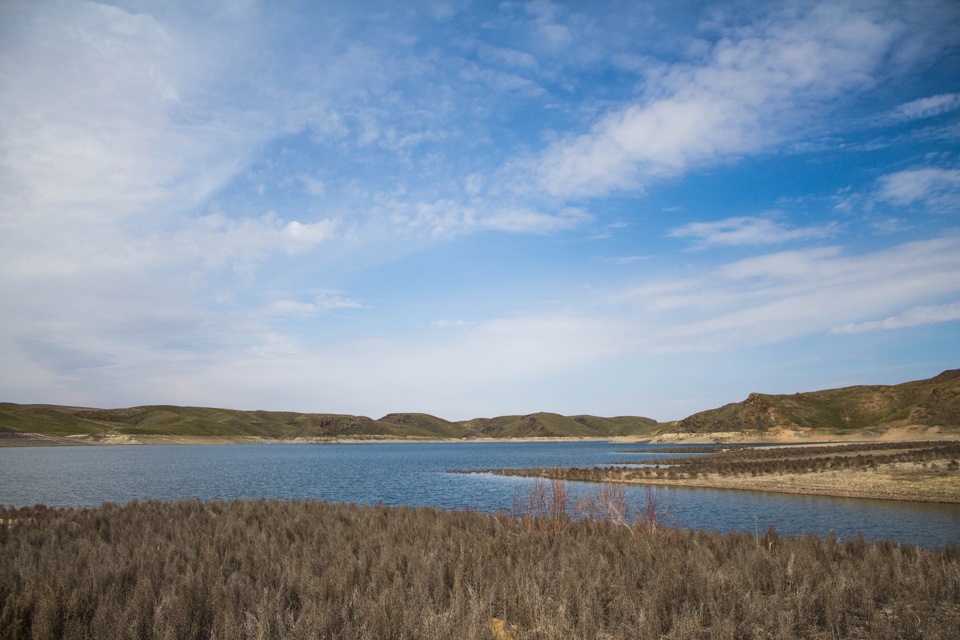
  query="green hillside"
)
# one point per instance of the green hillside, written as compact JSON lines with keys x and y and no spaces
{"x":933,"y":403}
{"x":162,"y":420}
{"x":421,"y":424}
{"x":547,"y":425}
{"x":183,"y":421}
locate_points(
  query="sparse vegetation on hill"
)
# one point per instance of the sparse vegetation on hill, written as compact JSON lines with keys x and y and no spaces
{"x":932,"y":402}
{"x":853,"y":410}
{"x":553,"y":425}
{"x":263,"y":569}
{"x":61,"y":422}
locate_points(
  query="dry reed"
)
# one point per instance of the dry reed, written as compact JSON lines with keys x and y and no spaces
{"x":272,"y":569}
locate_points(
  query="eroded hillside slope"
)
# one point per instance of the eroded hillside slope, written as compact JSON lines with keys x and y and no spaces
{"x":934,"y":402}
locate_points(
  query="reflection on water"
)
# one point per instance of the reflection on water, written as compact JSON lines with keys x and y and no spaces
{"x":418,"y":475}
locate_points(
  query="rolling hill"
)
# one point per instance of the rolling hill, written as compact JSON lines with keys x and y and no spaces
{"x":548,"y":425}
{"x":934,"y":402}
{"x":150,"y":422}
{"x":852,"y":410}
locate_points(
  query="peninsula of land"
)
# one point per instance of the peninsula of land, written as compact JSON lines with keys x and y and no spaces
{"x":911,"y":471}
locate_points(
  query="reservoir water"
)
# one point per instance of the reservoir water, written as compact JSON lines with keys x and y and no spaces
{"x":420,"y":475}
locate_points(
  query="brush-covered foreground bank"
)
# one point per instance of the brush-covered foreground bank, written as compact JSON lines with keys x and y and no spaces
{"x":269,"y":569}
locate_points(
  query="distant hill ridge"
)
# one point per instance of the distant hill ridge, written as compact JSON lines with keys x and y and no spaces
{"x":932,"y":403}
{"x":164,"y":420}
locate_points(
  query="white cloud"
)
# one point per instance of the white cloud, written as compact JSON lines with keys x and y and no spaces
{"x":753,"y":88}
{"x":450,"y":324}
{"x":436,"y":219}
{"x":275,"y":346}
{"x":627,"y":259}
{"x":935,"y":188}
{"x":102,"y":115}
{"x":549,"y":31}
{"x":333,"y":299}
{"x":531,"y":221}
{"x":794,"y":293}
{"x":322,"y":301}
{"x":740,"y":231}
{"x":312,"y":185}
{"x":139,"y":264}
{"x":445,"y":218}
{"x":113,"y":134}
{"x":298,"y":237}
{"x":916,"y":317}
{"x":506,"y":56}
{"x":290,"y":308}
{"x":461,"y":375}
{"x":500,"y":82}
{"x":927,"y":107}
{"x":217,"y":239}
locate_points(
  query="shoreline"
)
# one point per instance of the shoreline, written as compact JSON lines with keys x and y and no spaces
{"x":795,"y":484}
{"x":914,"y":472}
{"x":771,"y":438}
{"x":23,"y":439}
{"x":901,"y":481}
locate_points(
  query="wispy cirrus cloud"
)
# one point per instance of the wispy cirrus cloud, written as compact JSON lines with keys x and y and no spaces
{"x":106,"y":114}
{"x":449,"y":218}
{"x":745,"y":231}
{"x":784,"y":295}
{"x":526,"y":220}
{"x":450,"y":324}
{"x":753,"y":88}
{"x":916,"y":317}
{"x":218,"y":239}
{"x":321,"y":301}
{"x":623,"y":260}
{"x":937,"y":189}
{"x":740,"y":304}
{"x":926,"y":107}
{"x":206,"y":202}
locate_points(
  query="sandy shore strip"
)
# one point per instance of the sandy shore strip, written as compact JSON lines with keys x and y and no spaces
{"x":772,"y":437}
{"x":117,"y":439}
{"x":918,"y":433}
{"x":907,"y":481}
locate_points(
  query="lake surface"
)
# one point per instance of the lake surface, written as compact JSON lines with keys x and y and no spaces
{"x":419,"y":475}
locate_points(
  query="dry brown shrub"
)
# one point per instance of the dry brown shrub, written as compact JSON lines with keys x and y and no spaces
{"x":269,"y":569}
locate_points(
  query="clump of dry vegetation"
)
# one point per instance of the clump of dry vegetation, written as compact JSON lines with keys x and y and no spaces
{"x":272,"y":569}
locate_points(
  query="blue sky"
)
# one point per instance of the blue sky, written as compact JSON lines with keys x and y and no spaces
{"x":475,"y":208}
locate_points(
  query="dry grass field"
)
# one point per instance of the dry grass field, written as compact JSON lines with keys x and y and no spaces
{"x":271,"y":569}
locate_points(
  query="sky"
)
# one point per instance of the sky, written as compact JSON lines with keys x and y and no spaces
{"x":473,"y":209}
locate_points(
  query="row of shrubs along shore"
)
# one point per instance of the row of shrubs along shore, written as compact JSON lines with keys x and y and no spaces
{"x":725,"y":462}
{"x":812,"y":459}
{"x":277,"y":569}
